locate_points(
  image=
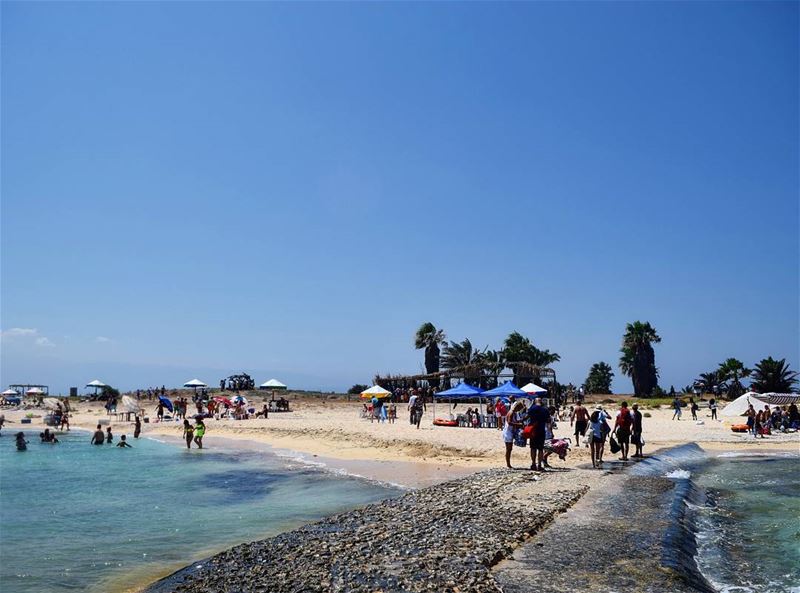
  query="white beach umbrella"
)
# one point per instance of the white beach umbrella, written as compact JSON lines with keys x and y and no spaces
{"x":272,"y":384}
{"x":195,"y":383}
{"x":10,"y":392}
{"x":35,"y":391}
{"x":96,"y":383}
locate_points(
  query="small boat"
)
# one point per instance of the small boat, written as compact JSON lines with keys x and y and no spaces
{"x":444,"y":422}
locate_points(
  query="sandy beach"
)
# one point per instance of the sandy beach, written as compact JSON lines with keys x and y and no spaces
{"x":333,"y":433}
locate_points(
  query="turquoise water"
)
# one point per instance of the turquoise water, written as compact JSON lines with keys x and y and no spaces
{"x":749,"y":538}
{"x":78,"y":517}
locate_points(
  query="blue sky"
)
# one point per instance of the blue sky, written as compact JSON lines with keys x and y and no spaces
{"x":194,"y":189}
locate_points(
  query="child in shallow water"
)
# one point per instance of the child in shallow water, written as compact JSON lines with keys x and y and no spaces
{"x":22,"y":444}
{"x":123,"y":443}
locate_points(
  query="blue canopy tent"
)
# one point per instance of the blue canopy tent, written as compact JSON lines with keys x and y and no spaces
{"x":460,"y":391}
{"x":505,"y":390}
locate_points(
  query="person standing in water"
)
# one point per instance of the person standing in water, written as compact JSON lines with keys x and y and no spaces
{"x":188,"y":433}
{"x":199,"y":433}
{"x":109,"y":436}
{"x":123,"y":443}
{"x":98,"y":438}
{"x":22,"y":444}
{"x":137,"y":428}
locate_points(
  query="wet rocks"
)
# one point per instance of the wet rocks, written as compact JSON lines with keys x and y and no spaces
{"x":443,"y":538}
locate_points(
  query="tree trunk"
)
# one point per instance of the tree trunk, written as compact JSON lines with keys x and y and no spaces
{"x":432,"y":362}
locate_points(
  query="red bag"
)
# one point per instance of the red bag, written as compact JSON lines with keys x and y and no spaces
{"x":527,"y":432}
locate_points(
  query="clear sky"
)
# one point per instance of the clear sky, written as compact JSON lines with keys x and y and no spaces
{"x":195,"y":189}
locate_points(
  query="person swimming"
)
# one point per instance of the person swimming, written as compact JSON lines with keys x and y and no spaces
{"x":48,"y":437}
{"x":98,"y":438}
{"x":123,"y":443}
{"x":22,"y":444}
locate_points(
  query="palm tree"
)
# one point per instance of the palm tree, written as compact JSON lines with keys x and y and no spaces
{"x":599,"y":379}
{"x":732,"y":370}
{"x":430,"y":338}
{"x":711,"y":382}
{"x":773,"y":376}
{"x":518,"y":348}
{"x":638,"y":360}
{"x":491,"y":363}
{"x":462,"y":355}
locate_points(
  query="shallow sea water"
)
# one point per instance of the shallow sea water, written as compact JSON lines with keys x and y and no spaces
{"x":749,"y":536}
{"x":78,"y":517}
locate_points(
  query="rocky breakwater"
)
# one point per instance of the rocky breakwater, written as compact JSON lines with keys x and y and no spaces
{"x":442,"y":538}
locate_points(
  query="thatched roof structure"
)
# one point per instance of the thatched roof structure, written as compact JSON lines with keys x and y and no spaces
{"x":477,"y":374}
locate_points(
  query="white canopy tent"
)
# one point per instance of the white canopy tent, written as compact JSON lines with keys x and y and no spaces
{"x":533,"y":388}
{"x":96,"y":384}
{"x":10,"y":392}
{"x":741,"y":404}
{"x":272,"y":384}
{"x":35,"y":391}
{"x":375,"y":391}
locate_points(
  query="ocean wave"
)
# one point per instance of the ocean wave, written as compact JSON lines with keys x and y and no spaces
{"x":681,"y":474}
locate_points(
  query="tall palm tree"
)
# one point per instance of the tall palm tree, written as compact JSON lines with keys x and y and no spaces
{"x":638,"y":360}
{"x":772,"y":375}
{"x":429,"y":338}
{"x":732,"y":370}
{"x":599,"y":379}
{"x":518,"y":348}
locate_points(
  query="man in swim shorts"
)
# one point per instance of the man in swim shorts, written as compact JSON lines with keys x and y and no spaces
{"x":580,"y":416}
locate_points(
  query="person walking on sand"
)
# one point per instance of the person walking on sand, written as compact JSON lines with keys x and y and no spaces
{"x":137,"y":427}
{"x":199,"y":433}
{"x":64,"y":421}
{"x":712,"y":405}
{"x":636,"y":436}
{"x":188,"y":433}
{"x":597,"y":423}
{"x":538,"y":418}
{"x":98,"y":438}
{"x":693,"y":407}
{"x":580,"y":417}
{"x":676,"y":405}
{"x":160,"y":411}
{"x":622,"y":428}
{"x":512,"y":424}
